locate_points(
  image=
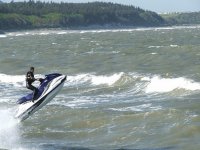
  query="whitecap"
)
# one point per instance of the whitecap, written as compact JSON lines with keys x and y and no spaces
{"x":62,"y":32}
{"x":94,"y":79}
{"x":16,"y":80}
{"x":162,"y":85}
{"x":3,"y":36}
{"x":19,"y":34}
{"x":155,"y":46}
{"x":44,"y":33}
{"x":139,"y":108}
{"x":79,"y":103}
{"x":174,"y":45}
{"x":109,"y":80}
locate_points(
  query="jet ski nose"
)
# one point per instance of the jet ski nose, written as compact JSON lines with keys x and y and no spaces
{"x":63,"y":77}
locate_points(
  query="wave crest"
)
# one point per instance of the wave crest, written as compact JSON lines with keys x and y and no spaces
{"x":136,"y":82}
{"x":163,"y":85}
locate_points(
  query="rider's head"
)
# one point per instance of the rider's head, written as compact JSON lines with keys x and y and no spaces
{"x":32,"y":69}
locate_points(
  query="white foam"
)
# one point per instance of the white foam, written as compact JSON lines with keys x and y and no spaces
{"x":156,"y":47}
{"x":45,"y":32}
{"x":109,"y":80}
{"x":9,"y":130}
{"x":3,"y":36}
{"x":20,"y":34}
{"x":62,"y":32}
{"x":162,"y":46}
{"x":79,"y":103}
{"x":174,"y":45}
{"x":139,"y":108}
{"x":94,"y":79}
{"x":160,"y":85}
{"x":77,"y":79}
{"x":16,"y":80}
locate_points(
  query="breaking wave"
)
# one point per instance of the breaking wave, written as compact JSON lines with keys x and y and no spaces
{"x":94,"y":79}
{"x":16,"y":80}
{"x":163,"y":85}
{"x":62,"y":32}
{"x":138,"y":82}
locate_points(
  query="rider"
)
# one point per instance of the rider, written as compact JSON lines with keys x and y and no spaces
{"x":29,"y":80}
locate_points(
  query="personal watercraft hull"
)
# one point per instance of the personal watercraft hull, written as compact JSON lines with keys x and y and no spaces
{"x":50,"y":90}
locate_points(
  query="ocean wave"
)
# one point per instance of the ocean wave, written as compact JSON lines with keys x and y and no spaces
{"x":163,"y":85}
{"x":133,"y":81}
{"x":44,"y":32}
{"x":172,"y":45}
{"x":94,"y":79}
{"x":77,"y":79}
{"x":162,"y":46}
{"x":155,"y":46}
{"x":3,"y":36}
{"x":138,"y":108}
{"x":15,"y":80}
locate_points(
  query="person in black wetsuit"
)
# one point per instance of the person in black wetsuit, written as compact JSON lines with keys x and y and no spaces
{"x":29,"y":80}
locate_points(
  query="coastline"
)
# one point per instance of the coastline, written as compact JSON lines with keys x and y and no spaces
{"x":90,"y":27}
{"x":99,"y":27}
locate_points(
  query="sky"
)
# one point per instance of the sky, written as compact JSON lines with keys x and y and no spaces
{"x":159,"y":6}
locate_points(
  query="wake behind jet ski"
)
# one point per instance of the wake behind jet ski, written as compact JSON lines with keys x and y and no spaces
{"x":48,"y":89}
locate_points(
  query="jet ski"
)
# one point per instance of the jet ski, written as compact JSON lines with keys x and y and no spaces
{"x":48,"y":89}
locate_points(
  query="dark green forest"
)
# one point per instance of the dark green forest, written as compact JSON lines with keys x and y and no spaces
{"x":182,"y":18}
{"x":36,"y":14}
{"x":32,"y":14}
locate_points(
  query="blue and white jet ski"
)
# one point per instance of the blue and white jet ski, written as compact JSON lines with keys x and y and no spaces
{"x":48,"y":89}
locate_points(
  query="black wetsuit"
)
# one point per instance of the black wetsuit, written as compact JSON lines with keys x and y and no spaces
{"x":29,"y":80}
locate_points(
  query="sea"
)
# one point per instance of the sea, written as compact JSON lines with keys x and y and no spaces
{"x":126,"y":89}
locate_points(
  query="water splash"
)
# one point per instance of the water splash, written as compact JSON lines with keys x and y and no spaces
{"x":9,"y":130}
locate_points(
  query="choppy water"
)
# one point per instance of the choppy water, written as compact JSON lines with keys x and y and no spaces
{"x":127,"y":88}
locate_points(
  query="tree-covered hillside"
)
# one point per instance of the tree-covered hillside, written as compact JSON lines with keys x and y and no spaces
{"x":182,"y":18}
{"x":38,"y":14}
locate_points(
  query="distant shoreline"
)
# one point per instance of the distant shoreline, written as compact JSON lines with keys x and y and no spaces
{"x":88,"y":29}
{"x":92,"y":27}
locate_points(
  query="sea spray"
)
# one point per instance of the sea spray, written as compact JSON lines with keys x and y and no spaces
{"x":9,"y":130}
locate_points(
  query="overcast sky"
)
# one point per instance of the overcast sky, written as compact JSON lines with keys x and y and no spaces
{"x":159,"y":6}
